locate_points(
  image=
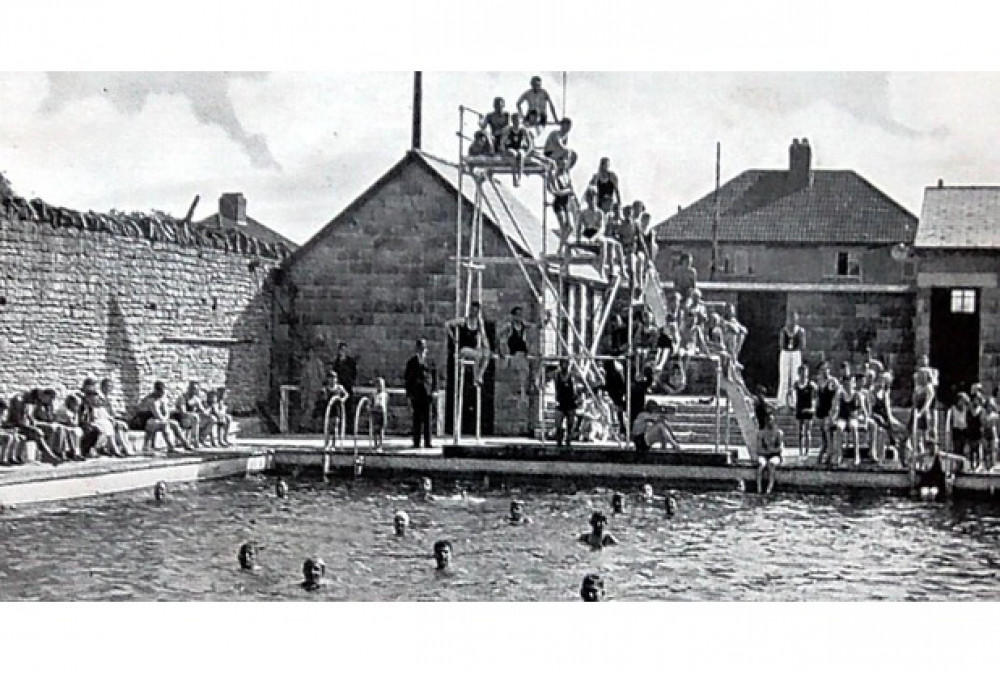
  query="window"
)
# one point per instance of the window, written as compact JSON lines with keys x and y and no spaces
{"x":848,"y":265}
{"x":963,"y":301}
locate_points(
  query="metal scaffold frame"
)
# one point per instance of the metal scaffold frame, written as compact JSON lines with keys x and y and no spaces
{"x":572,"y":345}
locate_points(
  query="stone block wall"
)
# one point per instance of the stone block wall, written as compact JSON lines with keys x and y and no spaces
{"x":382,"y":275}
{"x":76,"y":302}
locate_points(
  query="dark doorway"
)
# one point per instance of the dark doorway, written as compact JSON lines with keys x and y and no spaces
{"x":955,"y":339}
{"x":469,"y":393}
{"x":763,"y":314}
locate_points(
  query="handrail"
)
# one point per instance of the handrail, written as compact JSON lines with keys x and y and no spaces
{"x":357,"y":419}
{"x":328,"y":441}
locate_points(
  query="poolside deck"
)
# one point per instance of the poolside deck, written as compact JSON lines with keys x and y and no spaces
{"x":495,"y":457}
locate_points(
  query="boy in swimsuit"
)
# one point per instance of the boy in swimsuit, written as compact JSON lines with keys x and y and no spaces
{"x":597,"y":538}
{"x":772,"y":441}
{"x":537,"y":104}
{"x":804,"y":391}
{"x":827,"y":390}
{"x":21,"y":419}
{"x":921,"y":419}
{"x":557,"y":146}
{"x":560,"y":185}
{"x":605,"y":186}
{"x":849,"y":410}
{"x":8,"y":439}
{"x":516,"y":143}
{"x":481,"y":145}
{"x":495,"y":122}
{"x":514,"y":340}
{"x":336,"y":400}
{"x":685,"y":277}
{"x":566,"y":403}
{"x":469,"y":333}
{"x":517,"y":516}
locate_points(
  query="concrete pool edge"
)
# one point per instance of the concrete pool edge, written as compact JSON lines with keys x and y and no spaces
{"x":123,"y":475}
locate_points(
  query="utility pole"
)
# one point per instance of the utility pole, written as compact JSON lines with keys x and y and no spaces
{"x":715,"y":216}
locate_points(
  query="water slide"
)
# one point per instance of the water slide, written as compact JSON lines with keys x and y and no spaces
{"x":742,"y":405}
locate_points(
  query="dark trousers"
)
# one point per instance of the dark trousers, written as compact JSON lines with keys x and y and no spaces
{"x":421,"y":420}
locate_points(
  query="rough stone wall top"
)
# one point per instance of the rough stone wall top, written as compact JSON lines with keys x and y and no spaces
{"x":153,"y":227}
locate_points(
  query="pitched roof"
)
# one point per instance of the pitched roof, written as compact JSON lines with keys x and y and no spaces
{"x":526,"y":234}
{"x":960,"y":217}
{"x":251,"y":228}
{"x":757,"y":206}
{"x":525,"y":228}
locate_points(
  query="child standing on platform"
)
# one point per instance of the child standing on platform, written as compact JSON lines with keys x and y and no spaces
{"x":804,"y":391}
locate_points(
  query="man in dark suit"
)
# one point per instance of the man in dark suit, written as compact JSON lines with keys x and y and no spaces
{"x":347,"y":372}
{"x":421,"y":389}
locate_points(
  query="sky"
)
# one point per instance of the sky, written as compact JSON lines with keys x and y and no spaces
{"x":302,"y":145}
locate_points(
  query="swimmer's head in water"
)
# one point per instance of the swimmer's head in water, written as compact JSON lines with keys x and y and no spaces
{"x":597,"y":521}
{"x":426,"y":485}
{"x":400,"y":522}
{"x":313,"y":571}
{"x":442,"y":553}
{"x":281,"y":488}
{"x":592,"y":589}
{"x":670,"y":506}
{"x":247,"y":556}
{"x":516,"y":510}
{"x":647,"y":491}
{"x":160,"y":491}
{"x":617,"y":503}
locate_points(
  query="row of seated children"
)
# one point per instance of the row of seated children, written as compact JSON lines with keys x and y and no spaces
{"x":82,"y":426}
{"x":843,"y":407}
{"x":192,"y":422}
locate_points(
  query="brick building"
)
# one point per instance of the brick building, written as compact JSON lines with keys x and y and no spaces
{"x":957,"y":250}
{"x":818,"y":242}
{"x":382,"y":273}
{"x":134,"y":297}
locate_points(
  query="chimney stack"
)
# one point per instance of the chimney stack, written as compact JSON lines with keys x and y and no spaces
{"x":418,"y":93}
{"x":799,"y":165}
{"x":940,"y":183}
{"x":232,"y":210}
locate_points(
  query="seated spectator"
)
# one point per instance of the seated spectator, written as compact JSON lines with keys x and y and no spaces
{"x":772,"y":441}
{"x":9,"y":439}
{"x":668,"y":342}
{"x":535,"y":104}
{"x":685,"y":277}
{"x":849,"y":414}
{"x":154,"y":417}
{"x":495,"y":123}
{"x":605,"y":186}
{"x":560,"y":185}
{"x":593,"y":420}
{"x":481,"y":145}
{"x":650,"y":428}
{"x":557,"y":146}
{"x":98,"y":425}
{"x":219,"y":411}
{"x":122,"y":442}
{"x":516,"y":142}
{"x":68,"y":416}
{"x":193,"y":416}
{"x":20,"y":420}
{"x":43,"y":416}
{"x":470,"y":336}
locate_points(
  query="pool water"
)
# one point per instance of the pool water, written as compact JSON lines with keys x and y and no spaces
{"x":719,"y":546}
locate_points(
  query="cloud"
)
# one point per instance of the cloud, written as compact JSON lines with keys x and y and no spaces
{"x":864,"y":95}
{"x":207,"y":93}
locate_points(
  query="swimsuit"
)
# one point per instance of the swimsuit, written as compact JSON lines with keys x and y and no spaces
{"x":804,"y":400}
{"x":824,"y":399}
{"x":515,"y":342}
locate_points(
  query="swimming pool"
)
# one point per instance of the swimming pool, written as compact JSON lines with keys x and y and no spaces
{"x":720,"y":546}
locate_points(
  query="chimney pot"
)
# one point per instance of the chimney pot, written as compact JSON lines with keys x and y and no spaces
{"x":940,"y":183}
{"x":232,"y":209}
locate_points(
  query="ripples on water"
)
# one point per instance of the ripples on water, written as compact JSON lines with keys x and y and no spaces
{"x":720,"y":546}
